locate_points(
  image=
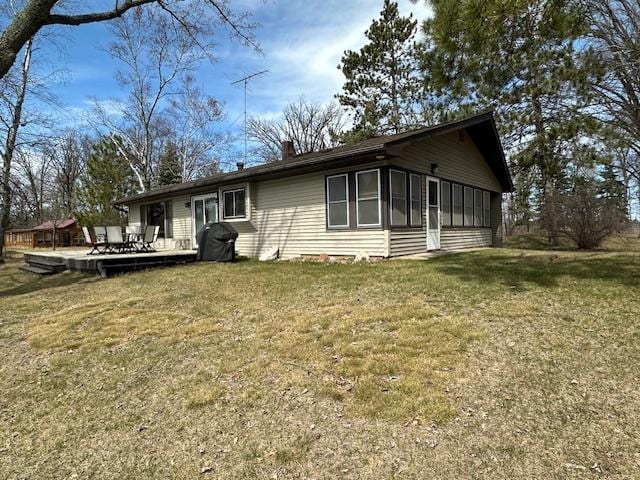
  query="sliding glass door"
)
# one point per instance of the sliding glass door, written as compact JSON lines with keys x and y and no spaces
{"x":204,"y":209}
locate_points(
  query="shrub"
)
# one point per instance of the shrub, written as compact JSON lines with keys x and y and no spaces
{"x":588,"y":215}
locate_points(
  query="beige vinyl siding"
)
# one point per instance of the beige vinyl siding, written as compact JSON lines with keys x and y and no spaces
{"x":458,"y":160}
{"x":181,"y":220}
{"x":457,"y":238}
{"x":408,"y":242}
{"x":290,"y":214}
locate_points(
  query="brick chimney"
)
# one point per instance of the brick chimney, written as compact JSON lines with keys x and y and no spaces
{"x":287,"y":149}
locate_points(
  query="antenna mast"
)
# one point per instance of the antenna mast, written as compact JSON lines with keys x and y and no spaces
{"x":245,"y":81}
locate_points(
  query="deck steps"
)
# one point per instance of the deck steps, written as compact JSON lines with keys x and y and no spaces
{"x":40,"y":264}
{"x":37,"y":270}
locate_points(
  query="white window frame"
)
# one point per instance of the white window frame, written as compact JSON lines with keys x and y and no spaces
{"x":406,"y":213}
{"x":346,"y":184}
{"x":486,"y":209}
{"x":224,"y":203}
{"x":413,"y":223}
{"x":379,"y":224}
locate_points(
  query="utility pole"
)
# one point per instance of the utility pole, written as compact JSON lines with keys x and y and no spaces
{"x":245,"y":81}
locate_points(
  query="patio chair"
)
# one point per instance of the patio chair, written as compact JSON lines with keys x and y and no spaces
{"x":100,"y":234}
{"x":115,"y":239}
{"x":94,"y":243}
{"x":150,"y":237}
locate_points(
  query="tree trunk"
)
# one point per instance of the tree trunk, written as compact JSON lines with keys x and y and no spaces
{"x":10,"y":145}
{"x":554,"y":230}
{"x":19,"y":31}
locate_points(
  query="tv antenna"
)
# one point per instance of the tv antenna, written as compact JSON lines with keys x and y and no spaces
{"x":245,"y":81}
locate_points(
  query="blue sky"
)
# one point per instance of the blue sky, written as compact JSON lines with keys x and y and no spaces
{"x":302,"y":42}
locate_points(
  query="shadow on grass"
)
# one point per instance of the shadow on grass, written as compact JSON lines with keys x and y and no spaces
{"x":15,"y":283}
{"x":544,"y":269}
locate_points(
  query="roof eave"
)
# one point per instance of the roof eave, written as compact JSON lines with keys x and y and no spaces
{"x":248,"y":175}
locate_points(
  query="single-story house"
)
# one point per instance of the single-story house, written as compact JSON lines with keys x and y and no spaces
{"x":66,"y":231}
{"x":435,"y":188}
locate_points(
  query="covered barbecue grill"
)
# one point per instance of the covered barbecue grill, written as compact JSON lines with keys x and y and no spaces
{"x":217,"y":242}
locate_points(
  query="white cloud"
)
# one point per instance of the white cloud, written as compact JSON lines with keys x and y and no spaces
{"x":303,"y":43}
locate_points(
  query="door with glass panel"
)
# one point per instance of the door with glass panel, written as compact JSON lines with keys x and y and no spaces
{"x":204,"y":209}
{"x":433,"y":213}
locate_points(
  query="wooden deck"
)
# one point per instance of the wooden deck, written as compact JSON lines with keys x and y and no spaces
{"x":78,"y":260}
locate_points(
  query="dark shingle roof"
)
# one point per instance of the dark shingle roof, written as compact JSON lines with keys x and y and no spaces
{"x":492,"y":151}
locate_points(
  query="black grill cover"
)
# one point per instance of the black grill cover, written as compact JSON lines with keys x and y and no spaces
{"x":217,"y":242}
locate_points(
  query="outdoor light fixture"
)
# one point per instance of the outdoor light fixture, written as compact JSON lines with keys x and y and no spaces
{"x":434,"y":168}
{"x":379,"y":157}
{"x":187,"y":205}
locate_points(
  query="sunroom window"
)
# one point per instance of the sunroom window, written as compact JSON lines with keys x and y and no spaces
{"x":398,"y":184}
{"x":368,"y":198}
{"x":487,"y":208}
{"x":477,"y":210}
{"x":468,"y":207}
{"x":457,"y":205}
{"x":445,"y":202}
{"x":415,"y":187}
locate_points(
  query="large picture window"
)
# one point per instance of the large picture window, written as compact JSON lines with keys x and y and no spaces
{"x":457,"y":205}
{"x":398,"y":188}
{"x":368,"y":198}
{"x":338,"y":201}
{"x":445,"y":203}
{"x":234,"y":203}
{"x":415,"y":187}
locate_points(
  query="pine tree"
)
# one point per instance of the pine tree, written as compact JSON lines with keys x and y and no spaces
{"x":613,"y":190}
{"x":169,"y":167}
{"x":107,"y":178}
{"x":519,"y":59}
{"x":382,"y":84}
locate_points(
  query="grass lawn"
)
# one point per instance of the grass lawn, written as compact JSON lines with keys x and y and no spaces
{"x":504,"y":363}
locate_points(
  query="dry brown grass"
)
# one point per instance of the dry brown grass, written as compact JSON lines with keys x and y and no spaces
{"x":491,"y":364}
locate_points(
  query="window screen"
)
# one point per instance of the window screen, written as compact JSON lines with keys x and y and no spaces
{"x":398,"y":185}
{"x":477,"y":210}
{"x":234,"y":203}
{"x":486,"y":209}
{"x":445,"y":203}
{"x":337,"y":201}
{"x":457,"y":205}
{"x":468,"y":207}
{"x":368,"y":197}
{"x":416,"y":199}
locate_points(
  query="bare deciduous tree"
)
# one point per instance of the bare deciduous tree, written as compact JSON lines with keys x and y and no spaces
{"x":156,"y":59}
{"x":193,"y":117}
{"x":614,"y":37}
{"x":14,"y":92}
{"x":68,"y":156}
{"x":310,"y":126}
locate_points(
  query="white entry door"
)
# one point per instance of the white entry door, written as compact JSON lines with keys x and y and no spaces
{"x":433,"y":213}
{"x":204,"y":209}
